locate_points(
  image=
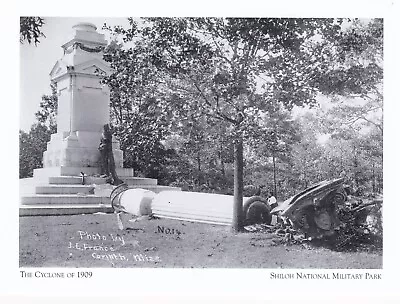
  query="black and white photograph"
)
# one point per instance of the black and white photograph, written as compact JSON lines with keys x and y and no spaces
{"x":202,"y":142}
{"x":227,"y":153}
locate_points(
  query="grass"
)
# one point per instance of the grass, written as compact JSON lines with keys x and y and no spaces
{"x":95,"y":241}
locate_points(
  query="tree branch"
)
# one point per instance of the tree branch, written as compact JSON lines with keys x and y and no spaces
{"x":220,"y":51}
{"x":217,"y":110}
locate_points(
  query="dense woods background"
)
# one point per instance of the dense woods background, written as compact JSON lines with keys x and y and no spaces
{"x":302,"y":97}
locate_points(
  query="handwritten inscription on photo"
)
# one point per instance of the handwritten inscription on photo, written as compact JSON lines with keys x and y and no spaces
{"x":110,"y":247}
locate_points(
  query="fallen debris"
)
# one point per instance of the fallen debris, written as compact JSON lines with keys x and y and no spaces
{"x":283,"y":230}
{"x":362,"y":224}
{"x":314,"y":211}
{"x":360,"y":228}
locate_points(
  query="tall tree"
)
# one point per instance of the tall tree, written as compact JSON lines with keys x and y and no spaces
{"x":137,"y":109}
{"x":232,"y":69}
{"x":47,"y":113}
{"x":308,"y":153}
{"x":31,"y":148}
{"x":235,"y":67}
{"x":273,"y":145}
{"x":32,"y":144}
{"x":354,"y":77}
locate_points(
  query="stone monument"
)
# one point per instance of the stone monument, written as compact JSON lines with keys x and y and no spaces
{"x":70,"y":176}
{"x":83,"y":103}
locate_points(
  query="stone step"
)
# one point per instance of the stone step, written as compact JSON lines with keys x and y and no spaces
{"x":89,"y":180}
{"x":89,"y":189}
{"x":64,"y":189}
{"x":75,"y":171}
{"x":63,"y":199}
{"x":28,"y":186}
{"x":31,"y":210}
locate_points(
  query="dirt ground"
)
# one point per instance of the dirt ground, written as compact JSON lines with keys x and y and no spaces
{"x":95,"y":241}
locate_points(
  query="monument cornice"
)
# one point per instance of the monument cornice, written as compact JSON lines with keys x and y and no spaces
{"x":84,"y":45}
{"x":94,"y":68}
{"x":73,"y":73}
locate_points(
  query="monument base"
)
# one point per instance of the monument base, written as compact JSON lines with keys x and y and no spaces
{"x":76,"y":171}
{"x":64,"y":190}
{"x":77,"y":149}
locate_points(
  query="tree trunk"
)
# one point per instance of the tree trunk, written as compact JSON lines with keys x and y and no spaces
{"x":221,"y":160}
{"x":373,"y":178}
{"x":199,"y":177}
{"x":274,"y":162}
{"x":355,"y":172}
{"x":237,"y":221}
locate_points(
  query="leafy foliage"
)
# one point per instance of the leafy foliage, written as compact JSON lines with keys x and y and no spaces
{"x":137,"y":111}
{"x":47,"y":113}
{"x":355,"y":66}
{"x":31,"y":148}
{"x":215,"y":66}
{"x":30,"y":29}
{"x":225,"y":81}
{"x":362,"y":226}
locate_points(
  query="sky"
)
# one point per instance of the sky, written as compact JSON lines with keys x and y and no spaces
{"x":37,"y":61}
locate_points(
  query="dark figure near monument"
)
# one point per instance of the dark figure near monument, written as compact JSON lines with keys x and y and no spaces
{"x":107,"y":164}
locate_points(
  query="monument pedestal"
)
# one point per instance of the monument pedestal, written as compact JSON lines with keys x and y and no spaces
{"x":83,"y":106}
{"x":77,"y":149}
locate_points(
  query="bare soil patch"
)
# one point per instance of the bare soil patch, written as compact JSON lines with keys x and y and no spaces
{"x":95,"y":241}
